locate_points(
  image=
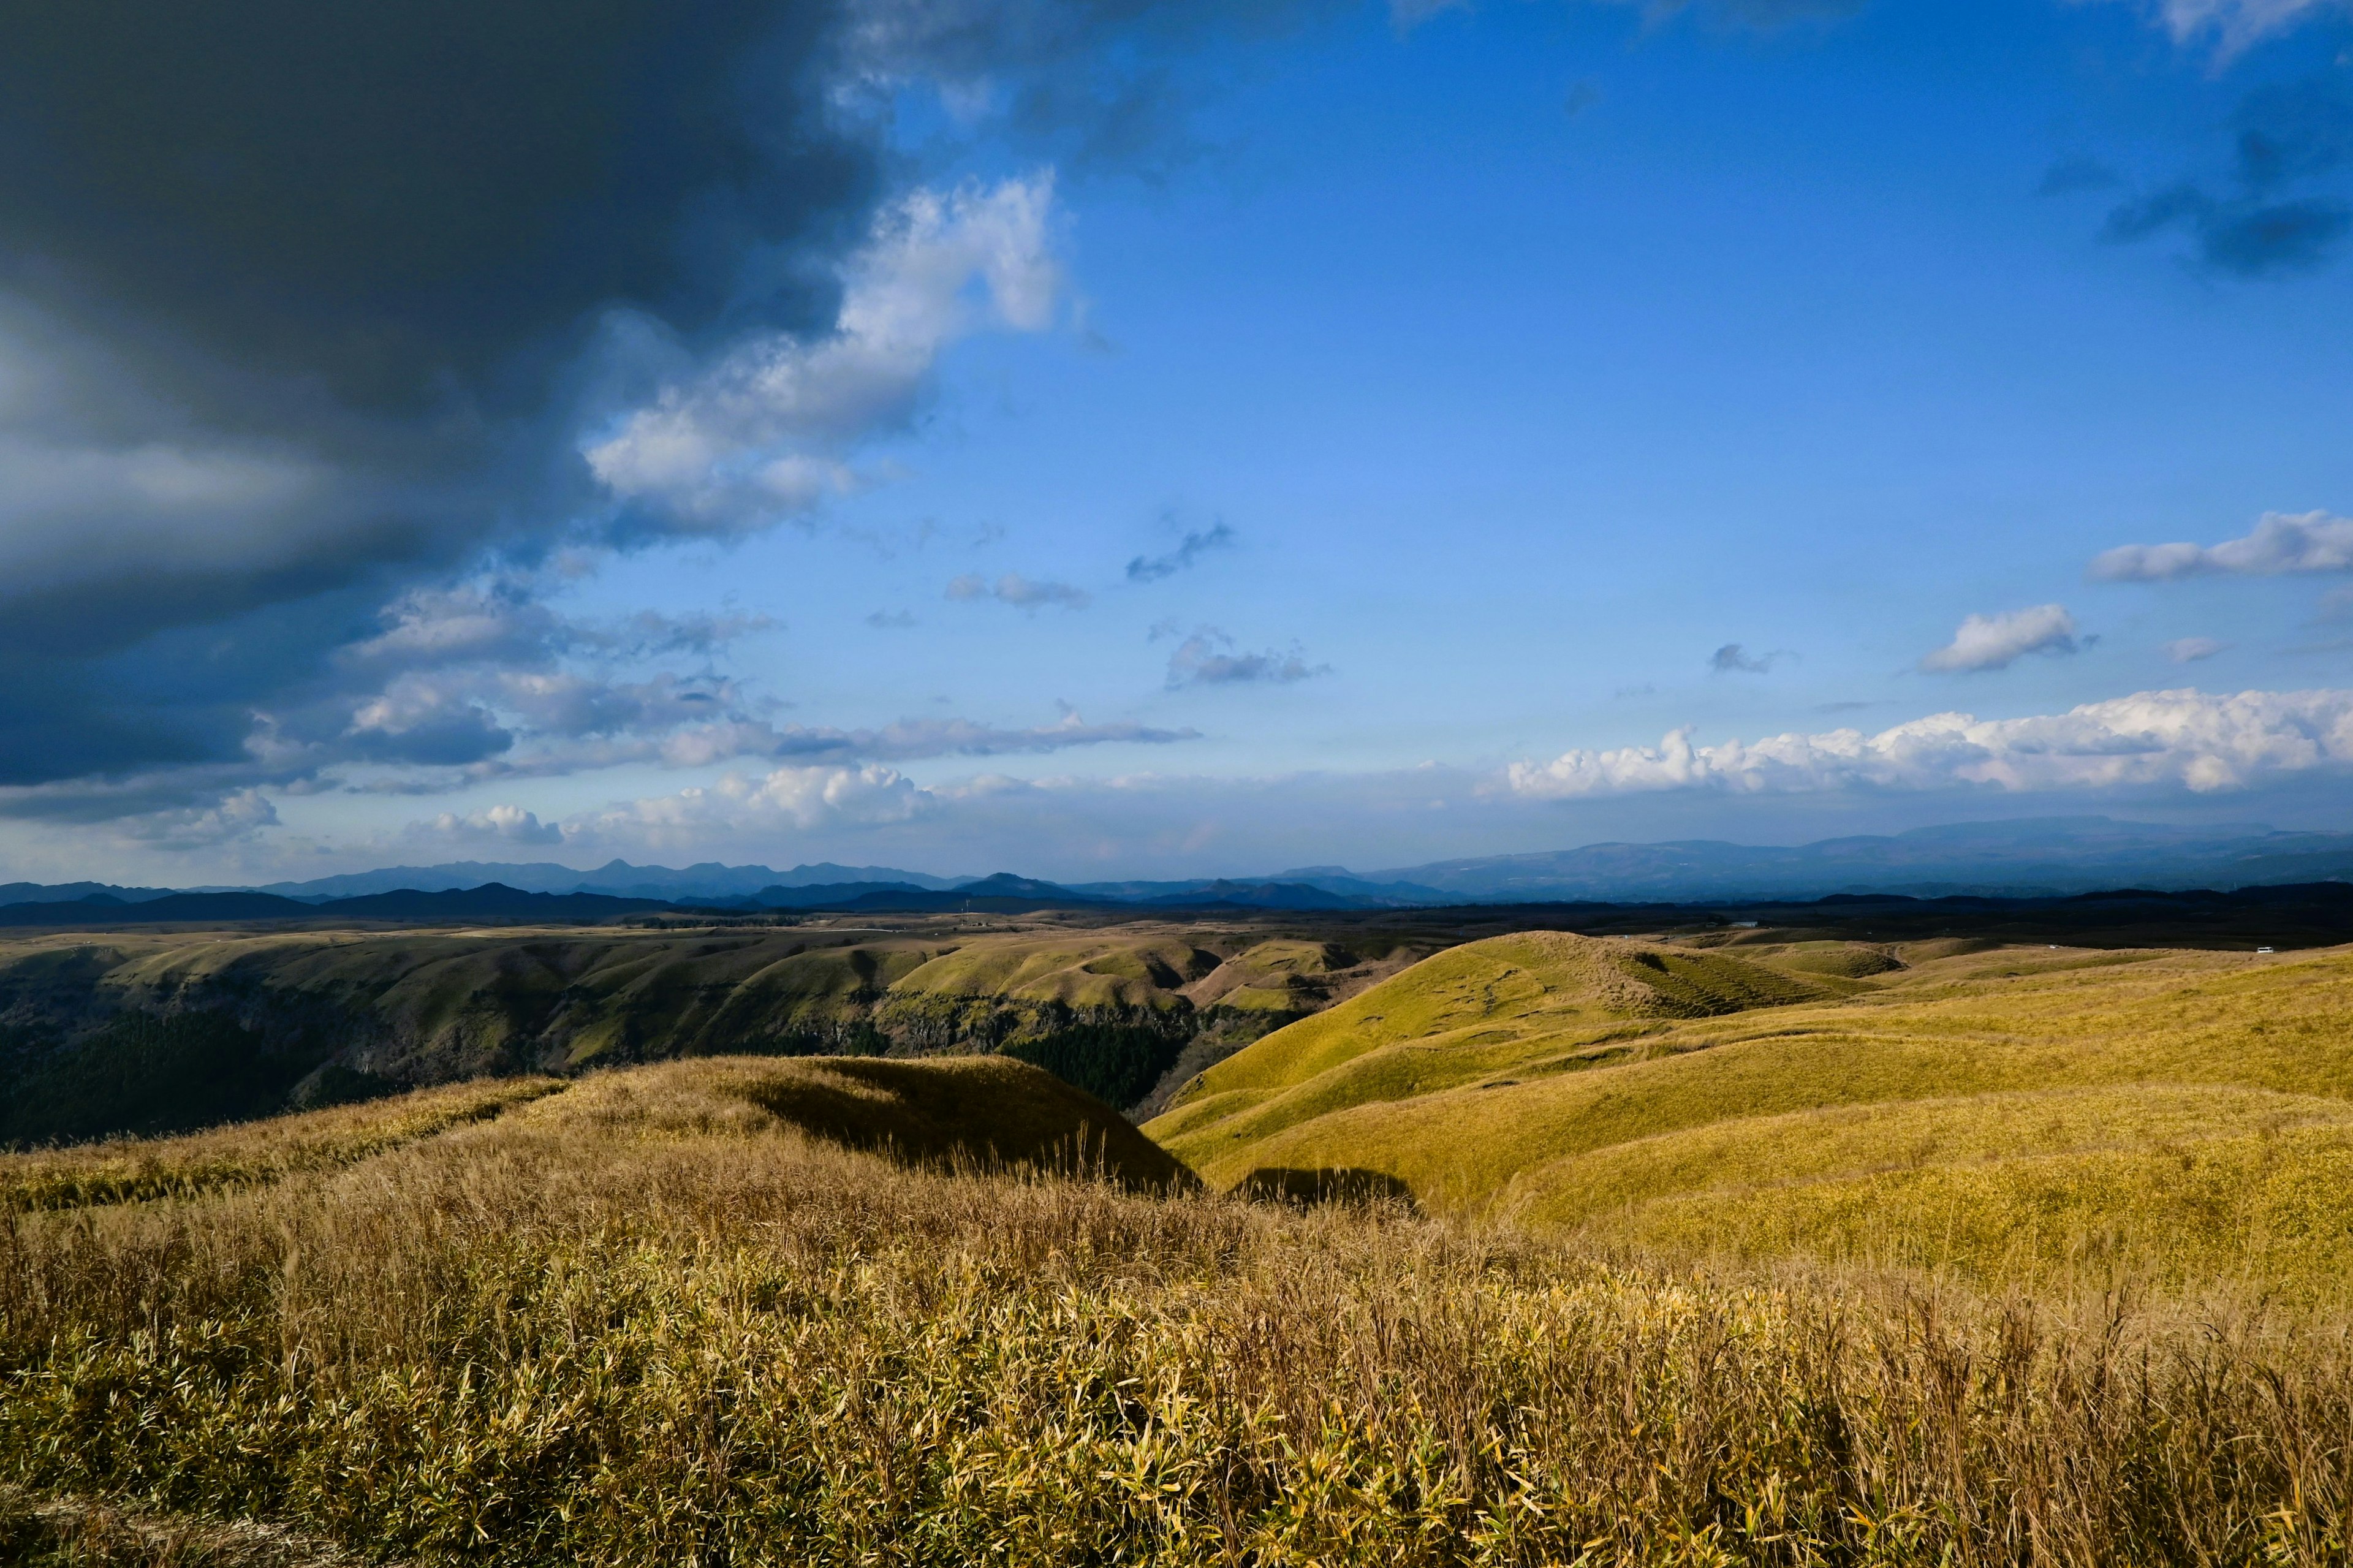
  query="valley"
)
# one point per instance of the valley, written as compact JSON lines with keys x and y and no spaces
{"x":163,"y":1030}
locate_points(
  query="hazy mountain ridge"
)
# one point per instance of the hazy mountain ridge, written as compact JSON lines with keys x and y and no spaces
{"x":2035,"y":856}
{"x":491,"y":901}
{"x":2019,"y":858}
{"x":618,"y":879}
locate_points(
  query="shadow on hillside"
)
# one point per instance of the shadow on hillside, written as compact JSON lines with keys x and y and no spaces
{"x":964,"y":1112}
{"x":1322,"y":1185}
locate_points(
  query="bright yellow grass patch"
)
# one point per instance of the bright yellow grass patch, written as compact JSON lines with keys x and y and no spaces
{"x":2048,"y":1098}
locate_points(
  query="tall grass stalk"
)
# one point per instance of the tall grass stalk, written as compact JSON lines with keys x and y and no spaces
{"x":574,"y":1335}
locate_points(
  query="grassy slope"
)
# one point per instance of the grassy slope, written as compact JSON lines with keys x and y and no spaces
{"x":80,"y":1047}
{"x":1537,"y":1002}
{"x":1993,"y":1110}
{"x":577,"y":996}
{"x":642,"y":1322}
{"x":130,"y":1169}
{"x":979,"y":1111}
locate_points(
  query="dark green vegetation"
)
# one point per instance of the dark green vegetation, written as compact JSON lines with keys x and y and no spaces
{"x":163,"y":1031}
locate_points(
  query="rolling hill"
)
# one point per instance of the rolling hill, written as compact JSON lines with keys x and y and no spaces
{"x":149,"y":1031}
{"x":849,"y":1311}
{"x":1998,"y":1109}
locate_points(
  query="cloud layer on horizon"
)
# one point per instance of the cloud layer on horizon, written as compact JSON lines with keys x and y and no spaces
{"x":2182,"y":744}
{"x":2186,"y":739}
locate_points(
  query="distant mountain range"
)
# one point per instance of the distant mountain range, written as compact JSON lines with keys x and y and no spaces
{"x":2036,"y":857}
{"x":489,"y":902}
{"x":617,"y":878}
{"x":2029,"y":858}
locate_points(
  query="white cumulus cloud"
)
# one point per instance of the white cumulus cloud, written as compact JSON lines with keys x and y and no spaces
{"x":802,"y":798}
{"x":1994,"y":642}
{"x":2280,"y":543}
{"x":762,"y":432}
{"x":2185,"y":738}
{"x":505,"y":823}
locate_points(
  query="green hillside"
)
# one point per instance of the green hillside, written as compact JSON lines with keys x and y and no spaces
{"x":159,"y":1032}
{"x":1997,"y":1110}
{"x":1532,"y":1003}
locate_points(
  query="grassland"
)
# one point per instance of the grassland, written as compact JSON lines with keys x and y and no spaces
{"x":653,"y":1318}
{"x":158,"y":1032}
{"x":1997,"y":1109}
{"x":132,"y":1170}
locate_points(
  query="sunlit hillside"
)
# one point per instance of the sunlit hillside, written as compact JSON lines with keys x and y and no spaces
{"x":2002,"y":1108}
{"x":949,"y":1312}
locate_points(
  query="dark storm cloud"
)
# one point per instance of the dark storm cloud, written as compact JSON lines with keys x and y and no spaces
{"x":291,"y":296}
{"x":2265,"y":218}
{"x":307,"y":306}
{"x":390,"y":196}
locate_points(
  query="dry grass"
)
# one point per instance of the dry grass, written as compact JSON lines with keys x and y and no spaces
{"x":127,"y":1170}
{"x":655,"y":1326}
{"x":2008,"y":1082}
{"x":78,"y":1532}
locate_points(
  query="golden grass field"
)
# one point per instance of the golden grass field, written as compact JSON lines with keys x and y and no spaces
{"x":1743,"y":1253}
{"x":1999,"y":1110}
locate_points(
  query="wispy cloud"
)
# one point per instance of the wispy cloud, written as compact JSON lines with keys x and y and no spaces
{"x":1209,"y":657}
{"x":2189,"y":651}
{"x":1994,"y":642}
{"x":2232,"y":25}
{"x":798,"y":798}
{"x":1732,"y":658}
{"x":2278,"y":210}
{"x":2281,"y":543}
{"x":1022,"y":593}
{"x":1152,"y":568}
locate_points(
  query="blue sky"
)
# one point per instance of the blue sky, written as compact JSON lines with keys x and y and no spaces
{"x":1220,"y":440}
